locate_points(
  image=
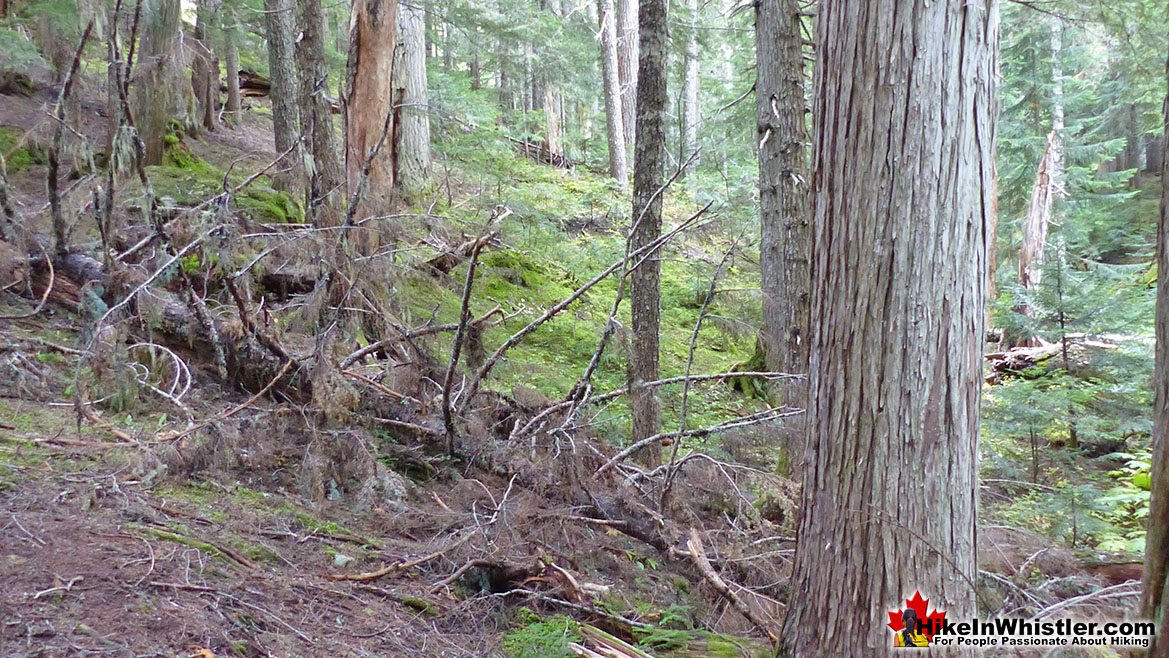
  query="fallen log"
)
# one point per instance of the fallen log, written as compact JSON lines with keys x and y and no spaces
{"x":250,"y":364}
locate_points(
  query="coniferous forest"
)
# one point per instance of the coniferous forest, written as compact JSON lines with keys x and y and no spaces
{"x":595,"y":328}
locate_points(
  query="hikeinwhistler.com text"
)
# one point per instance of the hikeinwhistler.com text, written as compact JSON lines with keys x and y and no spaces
{"x":1014,"y":632}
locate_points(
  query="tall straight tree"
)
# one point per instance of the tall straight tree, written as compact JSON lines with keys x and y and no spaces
{"x":627,"y":64}
{"x":614,"y":122}
{"x":319,"y":146}
{"x":153,"y":73}
{"x":648,"y":174}
{"x":412,"y":134}
{"x":904,"y":119}
{"x":785,"y":227}
{"x":369,"y":102}
{"x":1155,"y":578}
{"x":690,"y":114}
{"x":279,"y":28}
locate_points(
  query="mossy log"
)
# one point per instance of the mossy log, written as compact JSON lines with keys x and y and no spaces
{"x":253,"y":360}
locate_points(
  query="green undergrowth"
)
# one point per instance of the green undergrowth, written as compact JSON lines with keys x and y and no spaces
{"x":564,"y":229}
{"x":186,"y":180}
{"x":537,"y":637}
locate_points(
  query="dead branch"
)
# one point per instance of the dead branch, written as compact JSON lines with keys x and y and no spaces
{"x":774,"y":413}
{"x":698,"y":557}
{"x":381,"y":387}
{"x":464,"y":315}
{"x":404,"y":335}
{"x":449,"y":260}
{"x":400,"y":566}
{"x":61,"y":240}
{"x":555,"y":310}
{"x":44,"y":297}
{"x":672,"y":471}
{"x":227,"y":414}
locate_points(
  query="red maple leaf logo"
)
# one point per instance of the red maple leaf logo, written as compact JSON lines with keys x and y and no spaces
{"x":932,"y":621}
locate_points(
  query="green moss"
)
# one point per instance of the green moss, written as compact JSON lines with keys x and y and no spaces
{"x":183,"y":540}
{"x":420,"y":605}
{"x":265,"y":204}
{"x":18,"y":156}
{"x":540,"y":638}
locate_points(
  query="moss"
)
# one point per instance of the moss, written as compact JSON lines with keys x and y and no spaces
{"x":183,"y":540}
{"x":19,"y":156}
{"x":420,"y":605}
{"x":540,"y":638}
{"x":264,"y":204}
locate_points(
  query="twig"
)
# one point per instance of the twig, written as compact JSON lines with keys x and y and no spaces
{"x":404,"y":335}
{"x":464,"y":316}
{"x":61,"y":245}
{"x":555,"y":310}
{"x":698,"y":556}
{"x":400,"y":566}
{"x":672,"y":471}
{"x":774,"y":413}
{"x":44,"y":297}
{"x":381,"y":387}
{"x":31,"y":536}
{"x":227,"y":414}
{"x":67,"y":587}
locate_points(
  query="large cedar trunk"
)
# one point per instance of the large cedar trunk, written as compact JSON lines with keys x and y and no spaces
{"x":904,"y":128}
{"x":627,"y":64}
{"x":648,"y":172}
{"x":373,"y":28}
{"x":412,"y":134}
{"x":1155,"y":579}
{"x":323,"y":193}
{"x":618,"y":167}
{"x":279,"y":26}
{"x":152,"y":75}
{"x":785,"y":233}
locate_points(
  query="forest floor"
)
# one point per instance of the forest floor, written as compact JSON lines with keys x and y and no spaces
{"x":270,"y":533}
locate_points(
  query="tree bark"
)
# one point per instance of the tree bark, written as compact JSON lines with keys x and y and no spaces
{"x":648,"y":178}
{"x":1132,"y":144}
{"x":323,"y":193}
{"x":784,"y":221}
{"x":203,"y":82}
{"x":1154,"y":153}
{"x":618,"y":168}
{"x":282,"y":92}
{"x":373,"y":28}
{"x":412,"y":134}
{"x":785,"y":234}
{"x":160,"y":28}
{"x":904,"y":128}
{"x":1155,"y":577}
{"x":690,"y":113}
{"x":627,"y":64}
{"x":231,"y":55}
{"x":1036,"y":221}
{"x":1057,"y":112}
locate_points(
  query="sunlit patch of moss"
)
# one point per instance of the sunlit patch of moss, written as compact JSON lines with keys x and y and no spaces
{"x":19,"y":156}
{"x":265,"y":204}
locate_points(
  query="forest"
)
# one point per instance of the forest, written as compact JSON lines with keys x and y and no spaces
{"x":584,"y":328}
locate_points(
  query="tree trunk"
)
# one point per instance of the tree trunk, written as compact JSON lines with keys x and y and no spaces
{"x":690,"y":114}
{"x":1154,"y":153}
{"x":159,"y":29}
{"x":282,"y":77}
{"x":1057,"y":114}
{"x":1132,"y":144}
{"x":203,"y":82}
{"x":231,"y":54}
{"x":618,"y":168}
{"x":1037,"y":219}
{"x":903,"y":197}
{"x":1155,"y":577}
{"x":648,"y":177}
{"x":369,"y":95}
{"x":627,"y":64}
{"x":412,"y":134}
{"x":322,"y":167}
{"x":785,"y":227}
